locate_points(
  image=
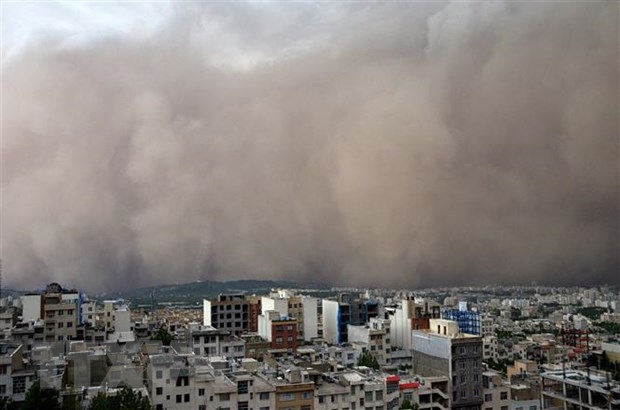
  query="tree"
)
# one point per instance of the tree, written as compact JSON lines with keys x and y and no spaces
{"x":38,"y":398}
{"x":125,"y":399}
{"x":368,"y":360}
{"x":163,"y":335}
{"x":407,"y":404}
{"x":5,"y":403}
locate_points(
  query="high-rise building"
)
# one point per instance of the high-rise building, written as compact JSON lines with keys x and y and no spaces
{"x":443,"y":350}
{"x":227,"y":312}
{"x":345,"y":310}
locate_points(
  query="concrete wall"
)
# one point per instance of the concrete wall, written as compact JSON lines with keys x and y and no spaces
{"x":429,"y":366}
{"x":206,"y":312}
{"x":31,"y":305}
{"x":311,"y":320}
{"x":330,"y":321}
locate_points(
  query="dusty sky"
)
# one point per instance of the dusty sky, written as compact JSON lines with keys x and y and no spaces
{"x":405,"y":144}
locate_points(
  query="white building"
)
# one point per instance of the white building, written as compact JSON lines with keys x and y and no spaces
{"x":376,"y":338}
{"x":331,"y":330}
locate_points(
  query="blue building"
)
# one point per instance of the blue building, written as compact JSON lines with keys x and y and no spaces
{"x":468,"y":321}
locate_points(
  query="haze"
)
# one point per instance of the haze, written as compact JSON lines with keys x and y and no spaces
{"x":404,"y":144}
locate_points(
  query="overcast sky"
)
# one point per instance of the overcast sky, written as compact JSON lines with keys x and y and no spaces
{"x":388,"y":144}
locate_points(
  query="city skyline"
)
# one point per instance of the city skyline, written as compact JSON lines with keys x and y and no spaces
{"x":397,"y":145}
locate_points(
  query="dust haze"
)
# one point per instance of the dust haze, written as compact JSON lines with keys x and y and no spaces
{"x":371,"y":144}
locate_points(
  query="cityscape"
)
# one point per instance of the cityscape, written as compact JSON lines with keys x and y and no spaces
{"x":309,"y":205}
{"x":486,"y":348}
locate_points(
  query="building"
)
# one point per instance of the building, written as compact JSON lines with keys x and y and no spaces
{"x":280,"y":331}
{"x":294,"y":395}
{"x":442,"y":350}
{"x":209,"y":341}
{"x":15,"y":377}
{"x":576,"y":389}
{"x":376,"y":338}
{"x":61,"y":313}
{"x":495,"y":392}
{"x":469,"y":321}
{"x":409,"y":315}
{"x":227,"y":312}
{"x":345,"y":310}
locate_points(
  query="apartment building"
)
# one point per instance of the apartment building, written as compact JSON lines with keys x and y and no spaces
{"x":443,"y":350}
{"x":227,"y":312}
{"x":302,"y":308}
{"x":346,"y":310}
{"x":376,"y":336}
{"x":495,"y":392}
{"x":280,"y":331}
{"x":209,"y":341}
{"x":577,"y":389}
{"x":15,"y":377}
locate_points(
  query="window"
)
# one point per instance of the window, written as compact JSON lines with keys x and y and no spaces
{"x":503,"y":395}
{"x":488,"y":397}
{"x":243,"y":405}
{"x":159,"y":391}
{"x":159,"y":407}
{"x":533,"y":407}
{"x":463,"y":379}
{"x":305,"y":395}
{"x":504,"y":408}
{"x":263,"y":396}
{"x":379,"y":395}
{"x":60,"y":325}
{"x":159,"y":374}
{"x":242,"y":387}
{"x":224,"y":396}
{"x":179,"y":398}
{"x":201,"y":392}
{"x":286,"y":396}
{"x":475,"y":377}
{"x":476,"y":392}
{"x":19,"y":385}
{"x":186,"y":398}
{"x":69,"y":324}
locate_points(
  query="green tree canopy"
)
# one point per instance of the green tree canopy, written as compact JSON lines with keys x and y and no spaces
{"x":368,"y":360}
{"x":164,"y":335}
{"x":38,"y":398}
{"x":126,"y":399}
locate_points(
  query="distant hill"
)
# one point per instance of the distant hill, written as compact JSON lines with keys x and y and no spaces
{"x":194,"y":292}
